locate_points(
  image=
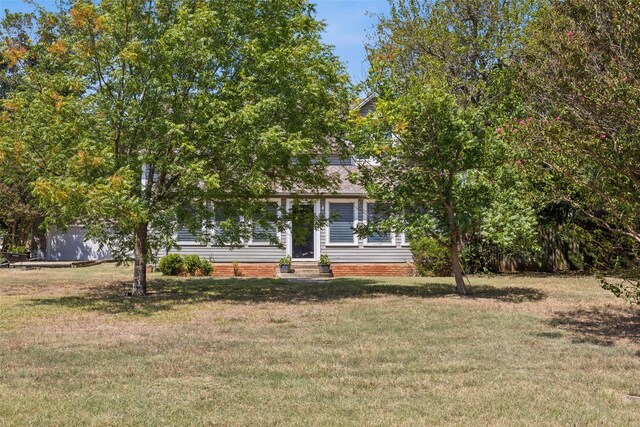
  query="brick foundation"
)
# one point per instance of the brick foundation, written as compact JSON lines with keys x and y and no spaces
{"x":245,"y":270}
{"x":339,"y":270}
{"x":389,"y":270}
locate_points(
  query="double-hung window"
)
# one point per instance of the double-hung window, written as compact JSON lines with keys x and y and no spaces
{"x":374,"y":214}
{"x":226,"y":227}
{"x":342,"y":216}
{"x":185,"y":237}
{"x":266,"y":235}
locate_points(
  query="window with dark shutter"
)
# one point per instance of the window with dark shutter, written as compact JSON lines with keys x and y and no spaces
{"x":266,"y":235}
{"x":184,"y":235}
{"x":342,"y":217}
{"x":225,"y":224}
{"x":373,"y":216}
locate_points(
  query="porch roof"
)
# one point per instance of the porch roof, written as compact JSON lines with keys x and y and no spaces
{"x":344,"y":187}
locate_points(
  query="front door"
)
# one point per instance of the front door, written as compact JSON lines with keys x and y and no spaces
{"x":302,"y":232}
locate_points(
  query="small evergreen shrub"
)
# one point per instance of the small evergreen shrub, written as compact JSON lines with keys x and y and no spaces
{"x":175,"y":265}
{"x":17,"y":250}
{"x":206,"y":267}
{"x":431,"y":258}
{"x":192,"y":264}
{"x":479,"y":256}
{"x":172,"y":265}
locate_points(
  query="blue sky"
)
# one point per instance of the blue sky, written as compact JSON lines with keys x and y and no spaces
{"x":347,"y":27}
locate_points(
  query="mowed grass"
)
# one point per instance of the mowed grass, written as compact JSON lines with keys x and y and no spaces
{"x":523,"y":350}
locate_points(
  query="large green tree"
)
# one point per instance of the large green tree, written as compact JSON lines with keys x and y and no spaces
{"x":20,"y":216}
{"x":580,"y":76}
{"x":443,"y":82}
{"x":140,"y":114}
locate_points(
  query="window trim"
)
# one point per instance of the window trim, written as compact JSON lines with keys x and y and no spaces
{"x":365,"y":217}
{"x":253,"y":244}
{"x":403,"y":240}
{"x":327,"y":213}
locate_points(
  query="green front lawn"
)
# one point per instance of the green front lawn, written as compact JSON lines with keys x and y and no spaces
{"x":522,"y":350}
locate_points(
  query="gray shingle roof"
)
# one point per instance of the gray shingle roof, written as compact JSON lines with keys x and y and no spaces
{"x":343,"y":188}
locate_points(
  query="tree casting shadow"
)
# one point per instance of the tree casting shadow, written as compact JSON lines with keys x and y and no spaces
{"x":601,"y":325}
{"x":165,"y":294}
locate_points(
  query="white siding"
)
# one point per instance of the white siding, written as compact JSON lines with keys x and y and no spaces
{"x":72,"y":246}
{"x":357,"y":253}
{"x":365,"y":254}
{"x":267,"y":254}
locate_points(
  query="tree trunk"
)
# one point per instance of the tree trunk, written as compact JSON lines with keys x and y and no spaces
{"x":14,"y":233}
{"x":454,"y":247}
{"x":140,"y":261}
{"x":456,"y":267}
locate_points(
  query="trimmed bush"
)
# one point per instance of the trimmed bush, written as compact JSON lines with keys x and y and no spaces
{"x":175,"y":265}
{"x":172,"y":265}
{"x":192,"y":264}
{"x":17,"y":250}
{"x":206,"y":267}
{"x":430,"y":257}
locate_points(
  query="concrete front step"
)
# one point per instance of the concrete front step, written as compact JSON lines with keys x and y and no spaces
{"x":306,"y":270}
{"x":305,"y":267}
{"x":305,"y":276}
{"x":314,"y":275}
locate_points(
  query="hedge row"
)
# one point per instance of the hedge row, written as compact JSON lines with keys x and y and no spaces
{"x":177,"y":265}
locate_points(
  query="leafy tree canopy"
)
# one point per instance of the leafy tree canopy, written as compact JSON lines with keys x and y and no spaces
{"x":580,"y":75}
{"x":20,"y":215}
{"x":442,"y":75}
{"x":138,"y":114}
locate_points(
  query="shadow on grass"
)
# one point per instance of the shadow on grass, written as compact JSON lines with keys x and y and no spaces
{"x":545,"y":275}
{"x":165,"y":294}
{"x":602,"y":325}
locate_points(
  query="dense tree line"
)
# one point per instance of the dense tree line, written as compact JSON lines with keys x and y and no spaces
{"x":20,"y":215}
{"x":514,"y":124}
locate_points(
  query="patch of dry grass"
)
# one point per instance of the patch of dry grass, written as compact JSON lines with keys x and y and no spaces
{"x":522,"y":350}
